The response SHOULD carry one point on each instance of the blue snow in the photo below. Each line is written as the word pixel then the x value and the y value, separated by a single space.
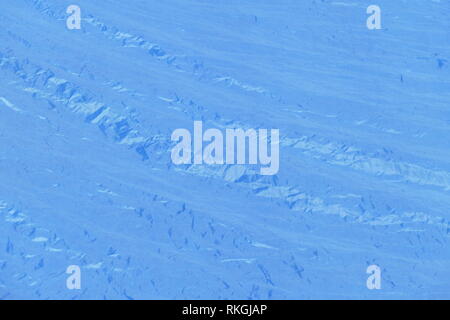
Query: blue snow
pixel 86 176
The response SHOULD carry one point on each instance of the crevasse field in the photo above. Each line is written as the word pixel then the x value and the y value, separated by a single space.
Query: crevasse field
pixel 86 118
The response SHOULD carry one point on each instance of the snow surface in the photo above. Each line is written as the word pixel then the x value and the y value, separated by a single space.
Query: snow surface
pixel 86 176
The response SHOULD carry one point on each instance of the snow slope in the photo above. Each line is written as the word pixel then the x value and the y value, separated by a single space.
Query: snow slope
pixel 86 176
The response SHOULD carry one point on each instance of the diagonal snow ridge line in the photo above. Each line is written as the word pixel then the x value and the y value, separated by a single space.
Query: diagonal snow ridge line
pixel 339 154
pixel 43 244
pixel 61 86
pixel 246 176
pixel 236 174
pixel 343 155
pixel 121 126
pixel 179 62
pixel 9 104
pixel 45 84
pixel 297 200
pixel 23 225
pixel 62 91
pixel 204 228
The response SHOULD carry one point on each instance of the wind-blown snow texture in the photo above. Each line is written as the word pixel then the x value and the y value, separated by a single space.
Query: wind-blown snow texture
pixel 86 177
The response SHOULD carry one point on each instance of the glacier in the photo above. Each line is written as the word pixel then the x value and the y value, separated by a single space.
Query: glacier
pixel 86 176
